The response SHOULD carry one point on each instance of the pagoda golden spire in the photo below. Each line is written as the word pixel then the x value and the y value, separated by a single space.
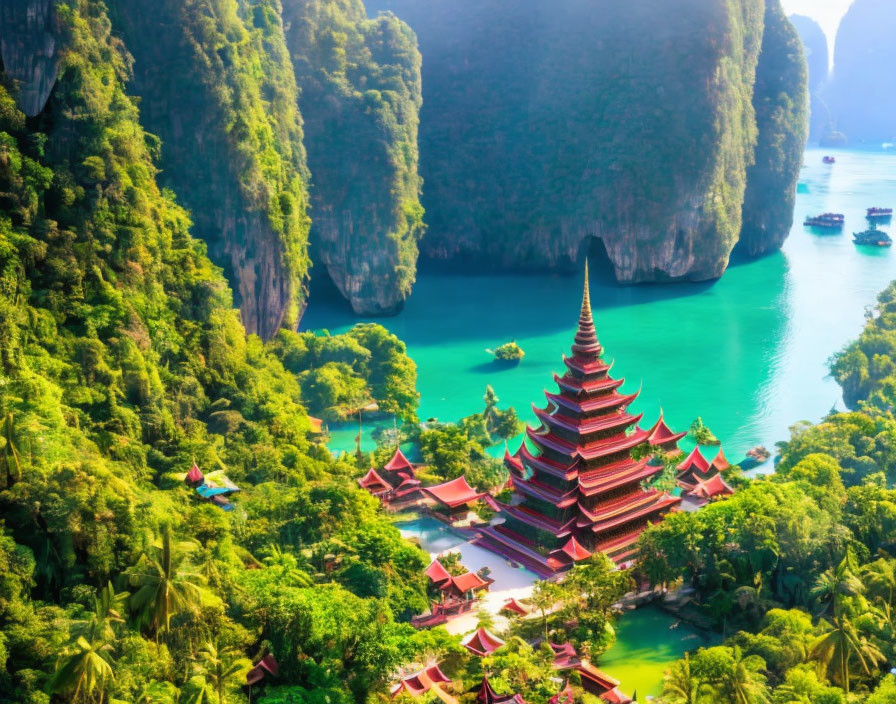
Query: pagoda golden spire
pixel 586 342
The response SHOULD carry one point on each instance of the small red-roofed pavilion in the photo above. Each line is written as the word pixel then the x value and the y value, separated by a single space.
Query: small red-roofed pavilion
pixel 515 607
pixel 399 462
pixel 482 643
pixel 453 497
pixel 374 483
pixel 712 488
pixel 662 436
pixel 194 476
pixel 720 463
pixel 437 573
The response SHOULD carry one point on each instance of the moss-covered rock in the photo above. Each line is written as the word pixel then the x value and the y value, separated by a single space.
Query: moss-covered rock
pixel 216 85
pixel 780 100
pixel 545 124
pixel 360 97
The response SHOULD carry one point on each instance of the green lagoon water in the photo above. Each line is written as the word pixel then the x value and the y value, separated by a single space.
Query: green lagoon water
pixel 747 353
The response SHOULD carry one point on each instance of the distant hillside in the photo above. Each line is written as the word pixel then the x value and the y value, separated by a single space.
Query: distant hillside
pixel 815 45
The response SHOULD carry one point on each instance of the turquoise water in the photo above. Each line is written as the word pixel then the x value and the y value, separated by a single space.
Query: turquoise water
pixel 648 641
pixel 748 353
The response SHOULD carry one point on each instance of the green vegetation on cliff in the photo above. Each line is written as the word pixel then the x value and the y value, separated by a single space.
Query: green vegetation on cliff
pixel 123 359
pixel 217 87
pixel 545 124
pixel 360 98
pixel 780 99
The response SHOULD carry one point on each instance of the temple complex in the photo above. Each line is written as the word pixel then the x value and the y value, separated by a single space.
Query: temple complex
pixel 396 484
pixel 701 479
pixel 577 482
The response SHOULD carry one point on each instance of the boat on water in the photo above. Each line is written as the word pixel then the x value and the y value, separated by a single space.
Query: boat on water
pixel 830 220
pixel 829 160
pixel 879 213
pixel 872 237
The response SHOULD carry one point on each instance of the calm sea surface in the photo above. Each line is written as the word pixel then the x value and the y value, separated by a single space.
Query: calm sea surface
pixel 747 353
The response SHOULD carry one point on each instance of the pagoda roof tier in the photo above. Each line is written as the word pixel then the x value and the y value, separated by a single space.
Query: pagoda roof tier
pixel 512 546
pixel 586 426
pixel 694 460
pixel 536 520
pixel 453 493
pixel 513 460
pixel 574 550
pixel 534 488
pixel 619 542
pixel 610 401
pixel 593 484
pixel 661 434
pixel 590 451
pixel 586 367
pixel 544 464
pixel 614 507
pixel 663 503
pixel 588 386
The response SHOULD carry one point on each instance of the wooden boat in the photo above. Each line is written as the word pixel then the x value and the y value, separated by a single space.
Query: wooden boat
pixel 873 238
pixel 829 160
pixel 829 220
pixel 879 213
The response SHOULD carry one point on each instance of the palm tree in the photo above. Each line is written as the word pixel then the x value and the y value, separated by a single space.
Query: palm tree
pixel 164 585
pixel 682 686
pixel 285 565
pixel 103 621
pixel 746 684
pixel 216 667
pixel 84 670
pixel 834 584
pixel 881 575
pixel 840 646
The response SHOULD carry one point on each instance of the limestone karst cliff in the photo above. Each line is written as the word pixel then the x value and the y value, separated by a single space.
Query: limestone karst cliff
pixel 360 95
pixel 862 94
pixel 217 87
pixel 28 51
pixel 546 124
pixel 815 47
pixel 780 99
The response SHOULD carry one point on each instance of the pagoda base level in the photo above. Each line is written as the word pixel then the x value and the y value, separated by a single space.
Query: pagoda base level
pixel 521 556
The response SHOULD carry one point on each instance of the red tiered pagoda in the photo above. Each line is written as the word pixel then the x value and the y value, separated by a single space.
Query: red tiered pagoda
pixel 577 484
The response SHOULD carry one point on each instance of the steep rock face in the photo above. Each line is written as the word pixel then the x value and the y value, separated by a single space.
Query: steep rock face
pixel 360 99
pixel 28 50
pixel 545 124
pixel 815 47
pixel 217 87
pixel 862 94
pixel 780 100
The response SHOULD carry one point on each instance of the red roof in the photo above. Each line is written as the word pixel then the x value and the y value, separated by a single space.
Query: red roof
pixel 421 682
pixel 317 425
pixel 614 696
pixel 398 461
pixel 454 493
pixel 194 476
pixel 437 573
pixel 514 607
pixel 373 482
pixel 469 582
pixel 714 486
pixel 564 696
pixel 487 695
pixel 565 656
pixel 721 462
pixel 575 550
pixel 662 434
pixel 482 643
pixel 695 460
pixel 266 666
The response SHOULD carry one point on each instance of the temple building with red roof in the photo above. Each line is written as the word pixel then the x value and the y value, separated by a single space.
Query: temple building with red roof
pixel 396 484
pixel 419 683
pixel 662 437
pixel 577 484
pixel 452 499
pixel 485 694
pixel 482 643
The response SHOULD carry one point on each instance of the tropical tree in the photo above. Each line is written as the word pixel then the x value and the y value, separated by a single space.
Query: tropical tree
pixel 836 583
pixel 682 686
pixel 841 647
pixel 164 585
pixel 745 683
pixel 9 453
pixel 105 618
pixel 216 668
pixel 84 671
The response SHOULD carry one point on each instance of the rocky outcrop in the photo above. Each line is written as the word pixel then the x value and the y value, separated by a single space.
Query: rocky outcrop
pixel 360 99
pixel 862 94
pixel 217 86
pixel 546 124
pixel 815 47
pixel 780 99
pixel 28 50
